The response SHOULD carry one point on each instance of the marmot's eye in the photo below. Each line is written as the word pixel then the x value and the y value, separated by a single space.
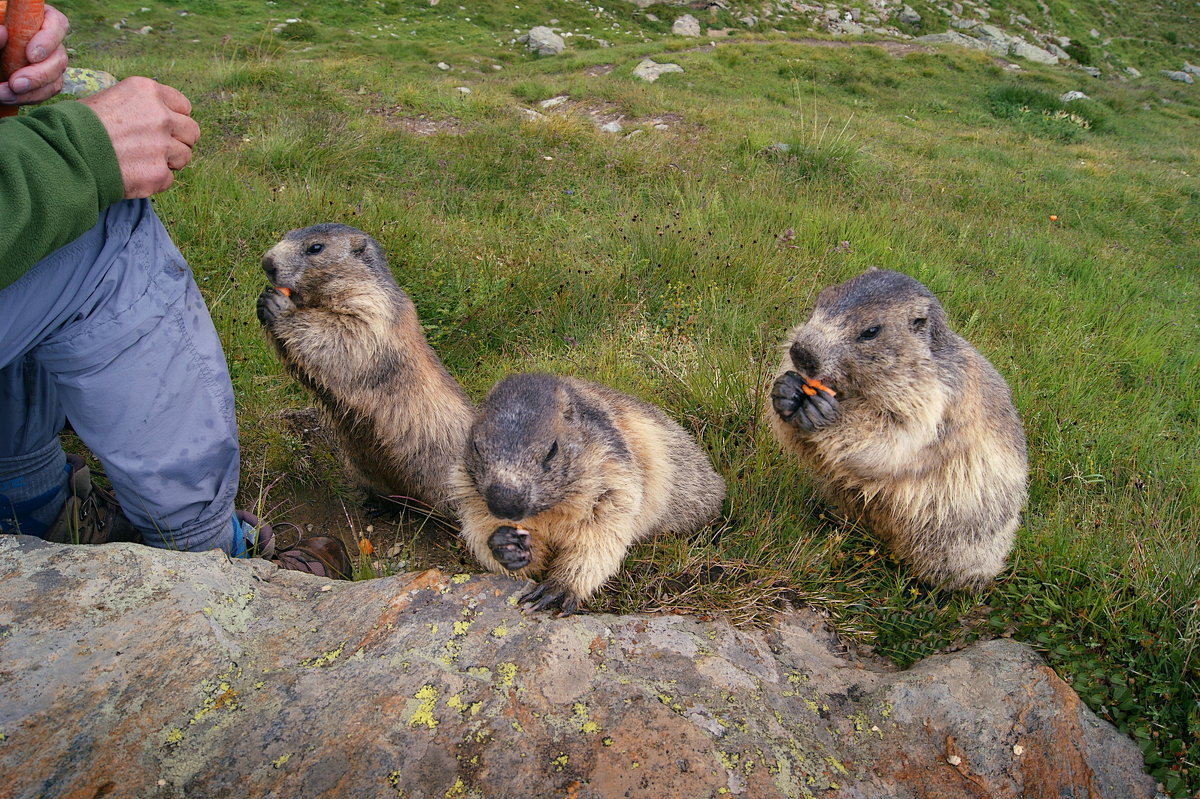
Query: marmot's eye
pixel 869 333
pixel 313 249
pixel 550 455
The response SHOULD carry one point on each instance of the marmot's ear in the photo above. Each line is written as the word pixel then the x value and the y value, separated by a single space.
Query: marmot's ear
pixel 358 245
pixel 936 327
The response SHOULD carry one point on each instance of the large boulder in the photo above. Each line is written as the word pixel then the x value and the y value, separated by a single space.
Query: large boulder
pixel 133 672
pixel 650 70
pixel 544 41
pixel 686 25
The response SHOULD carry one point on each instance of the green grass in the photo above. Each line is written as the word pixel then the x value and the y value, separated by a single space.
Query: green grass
pixel 670 264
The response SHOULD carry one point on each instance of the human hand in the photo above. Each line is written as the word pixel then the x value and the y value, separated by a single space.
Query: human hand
pixel 42 79
pixel 151 130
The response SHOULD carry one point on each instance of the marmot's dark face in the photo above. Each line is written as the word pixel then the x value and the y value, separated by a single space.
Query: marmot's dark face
pixel 523 450
pixel 866 334
pixel 313 261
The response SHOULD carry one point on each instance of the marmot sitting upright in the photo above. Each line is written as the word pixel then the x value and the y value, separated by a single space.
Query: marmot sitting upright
pixel 561 476
pixel 345 330
pixel 906 426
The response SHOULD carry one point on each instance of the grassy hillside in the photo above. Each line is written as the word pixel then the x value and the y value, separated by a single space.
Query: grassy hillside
pixel 670 259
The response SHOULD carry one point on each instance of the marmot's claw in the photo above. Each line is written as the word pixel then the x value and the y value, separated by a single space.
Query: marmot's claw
pixel 272 303
pixel 551 594
pixel 798 407
pixel 510 546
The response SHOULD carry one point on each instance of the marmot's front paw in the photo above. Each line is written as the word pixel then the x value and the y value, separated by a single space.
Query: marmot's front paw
pixel 552 594
pixel 272 303
pixel 807 409
pixel 510 546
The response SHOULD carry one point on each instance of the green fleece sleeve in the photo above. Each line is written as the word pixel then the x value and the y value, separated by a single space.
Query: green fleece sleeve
pixel 58 171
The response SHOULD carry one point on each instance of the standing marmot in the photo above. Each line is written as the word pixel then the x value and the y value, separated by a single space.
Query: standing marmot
pixel 561 476
pixel 344 329
pixel 907 427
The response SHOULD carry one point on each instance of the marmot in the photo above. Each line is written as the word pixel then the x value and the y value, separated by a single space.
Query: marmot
pixel 347 332
pixel 561 476
pixel 906 426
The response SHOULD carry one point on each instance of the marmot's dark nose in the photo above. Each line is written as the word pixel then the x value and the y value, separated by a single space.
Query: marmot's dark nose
pixel 804 360
pixel 506 502
pixel 268 265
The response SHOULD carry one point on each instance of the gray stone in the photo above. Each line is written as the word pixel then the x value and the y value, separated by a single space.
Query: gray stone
pixel 1191 69
pixel 1023 49
pixel 651 71
pixel 686 25
pixel 908 16
pixel 1180 76
pixel 1060 53
pixel 1132 72
pixel 138 672
pixel 995 40
pixel 544 41
pixel 612 127
pixel 1091 71
pixel 952 37
pixel 1072 96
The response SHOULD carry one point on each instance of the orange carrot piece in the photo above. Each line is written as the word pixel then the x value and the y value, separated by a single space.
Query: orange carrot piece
pixel 812 381
pixel 284 290
pixel 808 390
pixel 23 19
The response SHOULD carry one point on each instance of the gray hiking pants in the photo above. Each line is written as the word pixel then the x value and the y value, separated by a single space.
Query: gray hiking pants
pixel 112 333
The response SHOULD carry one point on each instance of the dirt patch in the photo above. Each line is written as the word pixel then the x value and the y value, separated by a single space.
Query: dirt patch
pixel 418 124
pixel 895 48
pixel 313 500
pixel 600 112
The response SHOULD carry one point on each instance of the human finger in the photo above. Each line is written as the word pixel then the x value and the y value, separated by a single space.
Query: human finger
pixel 49 37
pixel 174 99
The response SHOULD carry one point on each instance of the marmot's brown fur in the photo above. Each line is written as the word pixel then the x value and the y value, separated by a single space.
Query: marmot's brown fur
pixel 345 330
pixel 921 442
pixel 562 475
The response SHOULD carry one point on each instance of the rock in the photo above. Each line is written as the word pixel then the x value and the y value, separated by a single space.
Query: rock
pixel 686 25
pixel 749 20
pixel 1023 49
pixel 554 102
pixel 612 127
pixel 909 17
pixel 442 65
pixel 651 71
pixel 1133 73
pixel 544 41
pixel 1191 69
pixel 1180 76
pixel 138 672
pixel 1072 96
pixel 463 89
pixel 1059 53
pixel 952 37
pixel 1092 71
pixel 79 82
pixel 995 40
